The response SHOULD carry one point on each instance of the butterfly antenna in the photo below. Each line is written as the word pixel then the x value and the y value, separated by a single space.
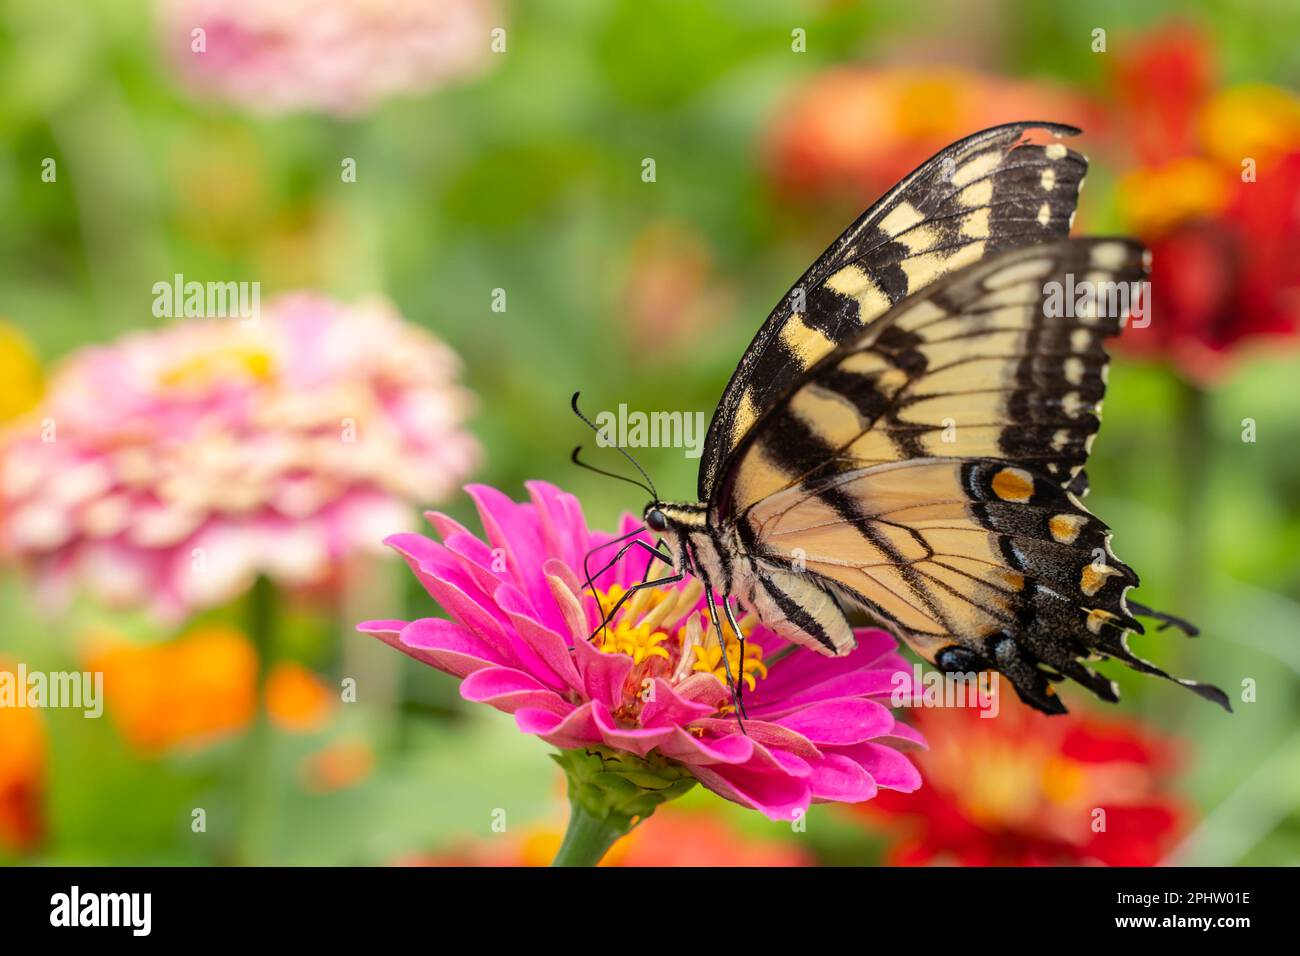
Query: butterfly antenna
pixel 608 474
pixel 648 486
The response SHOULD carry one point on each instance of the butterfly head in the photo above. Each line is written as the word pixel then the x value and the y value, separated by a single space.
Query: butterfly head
pixel 674 518
pixel 654 517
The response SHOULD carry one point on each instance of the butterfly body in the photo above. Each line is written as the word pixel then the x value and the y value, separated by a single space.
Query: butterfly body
pixel 796 606
pixel 907 432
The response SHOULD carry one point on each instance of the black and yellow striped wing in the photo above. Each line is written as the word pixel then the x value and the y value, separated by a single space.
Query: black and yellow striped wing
pixel 1002 188
pixel 922 469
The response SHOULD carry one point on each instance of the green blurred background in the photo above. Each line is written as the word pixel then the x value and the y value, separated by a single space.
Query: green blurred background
pixel 528 178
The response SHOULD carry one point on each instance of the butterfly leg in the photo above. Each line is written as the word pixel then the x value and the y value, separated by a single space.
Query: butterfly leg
pixel 636 543
pixel 657 554
pixel 671 579
pixel 645 581
pixel 726 663
pixel 740 639
pixel 1141 610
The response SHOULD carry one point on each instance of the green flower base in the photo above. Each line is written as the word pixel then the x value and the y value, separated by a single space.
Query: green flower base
pixel 610 792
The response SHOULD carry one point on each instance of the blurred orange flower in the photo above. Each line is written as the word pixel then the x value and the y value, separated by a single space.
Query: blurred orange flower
pixel 859 130
pixel 340 764
pixel 22 776
pixel 199 687
pixel 296 698
pixel 1024 788
pixel 672 837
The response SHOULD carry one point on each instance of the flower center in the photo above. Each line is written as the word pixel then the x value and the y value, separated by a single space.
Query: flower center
pixel 200 371
pixel 669 637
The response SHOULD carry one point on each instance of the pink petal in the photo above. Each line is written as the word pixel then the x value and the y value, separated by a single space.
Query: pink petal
pixel 433 562
pixel 841 779
pixel 773 736
pixel 508 689
pixel 477 615
pixel 475 559
pixel 382 629
pixel 903 737
pixel 444 525
pixel 704 689
pixel 844 721
pixel 546 652
pixel 603 675
pixel 774 794
pixel 563 524
pixel 637 740
pixel 861 683
pixel 567 601
pixel 666 707
pixel 806 668
pixel 514 528
pixel 573 730
pixel 702 751
pixel 889 768
pixel 438 643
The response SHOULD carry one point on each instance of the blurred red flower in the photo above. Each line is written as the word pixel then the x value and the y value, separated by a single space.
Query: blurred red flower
pixel 1026 789
pixel 23 760
pixel 1216 195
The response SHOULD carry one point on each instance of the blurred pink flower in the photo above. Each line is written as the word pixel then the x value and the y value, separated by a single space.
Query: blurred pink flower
pixel 330 56
pixel 521 638
pixel 174 465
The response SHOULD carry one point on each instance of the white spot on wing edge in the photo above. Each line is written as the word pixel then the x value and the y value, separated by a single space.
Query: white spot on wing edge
pixel 1109 255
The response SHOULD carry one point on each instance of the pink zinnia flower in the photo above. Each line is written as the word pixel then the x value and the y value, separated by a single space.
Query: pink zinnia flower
pixel 652 686
pixel 173 466
pixel 330 56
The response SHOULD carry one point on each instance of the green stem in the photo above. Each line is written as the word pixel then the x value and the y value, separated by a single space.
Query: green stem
pixel 610 792
pixel 256 816
pixel 589 836
pixel 1193 430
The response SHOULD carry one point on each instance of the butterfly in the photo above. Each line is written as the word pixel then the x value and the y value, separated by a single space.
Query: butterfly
pixel 907 432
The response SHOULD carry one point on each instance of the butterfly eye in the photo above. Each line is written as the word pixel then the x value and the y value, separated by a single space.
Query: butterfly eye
pixel 656 520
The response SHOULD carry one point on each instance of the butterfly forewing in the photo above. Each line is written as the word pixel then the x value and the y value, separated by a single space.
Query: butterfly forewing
pixel 995 190
pixel 979 364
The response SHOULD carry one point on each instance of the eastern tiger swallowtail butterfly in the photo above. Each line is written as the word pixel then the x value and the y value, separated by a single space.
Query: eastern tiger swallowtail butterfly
pixel 906 434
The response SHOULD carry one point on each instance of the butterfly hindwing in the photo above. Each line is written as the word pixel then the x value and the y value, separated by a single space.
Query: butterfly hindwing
pixel 995 190
pixel 977 564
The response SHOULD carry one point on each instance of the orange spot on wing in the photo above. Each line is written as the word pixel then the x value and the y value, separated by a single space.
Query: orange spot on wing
pixel 1012 484
pixel 1065 528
